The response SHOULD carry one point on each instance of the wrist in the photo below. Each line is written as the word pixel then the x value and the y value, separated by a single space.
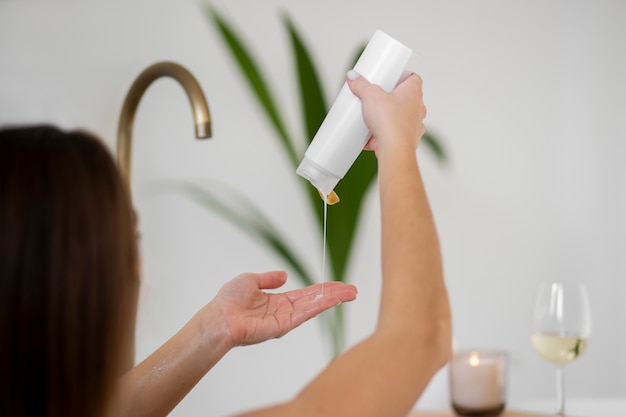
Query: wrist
pixel 212 328
pixel 397 154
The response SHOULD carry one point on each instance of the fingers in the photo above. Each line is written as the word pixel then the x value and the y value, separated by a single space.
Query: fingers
pixel 270 280
pixel 357 83
pixel 335 290
pixel 413 78
pixel 313 300
pixel 371 144
pixel 328 289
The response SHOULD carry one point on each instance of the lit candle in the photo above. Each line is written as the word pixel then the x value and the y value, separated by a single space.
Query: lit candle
pixel 477 383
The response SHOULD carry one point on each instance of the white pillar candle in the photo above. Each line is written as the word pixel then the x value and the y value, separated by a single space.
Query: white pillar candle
pixel 477 380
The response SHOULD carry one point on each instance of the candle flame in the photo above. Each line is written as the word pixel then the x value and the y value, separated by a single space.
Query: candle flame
pixel 473 359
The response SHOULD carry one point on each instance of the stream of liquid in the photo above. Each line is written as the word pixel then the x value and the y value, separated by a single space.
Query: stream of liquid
pixel 321 294
pixel 324 245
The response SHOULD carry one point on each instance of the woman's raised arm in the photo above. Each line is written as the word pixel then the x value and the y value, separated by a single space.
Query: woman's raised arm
pixel 386 373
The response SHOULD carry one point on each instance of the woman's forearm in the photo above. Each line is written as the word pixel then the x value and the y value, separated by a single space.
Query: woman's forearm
pixel 412 339
pixel 411 258
pixel 156 385
pixel 242 313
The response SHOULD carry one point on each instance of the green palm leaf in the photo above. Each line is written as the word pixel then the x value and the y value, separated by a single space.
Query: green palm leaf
pixel 313 104
pixel 255 79
pixel 435 146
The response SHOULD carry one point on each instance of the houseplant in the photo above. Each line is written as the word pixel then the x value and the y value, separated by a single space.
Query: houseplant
pixel 243 213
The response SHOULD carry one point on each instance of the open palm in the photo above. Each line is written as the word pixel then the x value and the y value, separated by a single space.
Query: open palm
pixel 253 315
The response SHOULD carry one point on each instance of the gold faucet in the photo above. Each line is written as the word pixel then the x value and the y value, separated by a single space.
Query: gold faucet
pixel 201 114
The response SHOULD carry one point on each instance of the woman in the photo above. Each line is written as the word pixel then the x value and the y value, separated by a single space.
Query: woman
pixel 69 280
pixel 68 273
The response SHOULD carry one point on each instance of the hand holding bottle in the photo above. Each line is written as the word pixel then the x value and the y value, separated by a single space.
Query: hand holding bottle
pixel 395 117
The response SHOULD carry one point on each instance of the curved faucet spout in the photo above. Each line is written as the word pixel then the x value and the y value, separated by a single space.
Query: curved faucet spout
pixel 201 116
pixel 200 107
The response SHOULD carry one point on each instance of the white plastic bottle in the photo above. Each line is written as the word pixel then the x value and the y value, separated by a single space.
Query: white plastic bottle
pixel 343 133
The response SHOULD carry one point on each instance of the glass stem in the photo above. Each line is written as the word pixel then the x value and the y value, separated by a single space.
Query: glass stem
pixel 560 392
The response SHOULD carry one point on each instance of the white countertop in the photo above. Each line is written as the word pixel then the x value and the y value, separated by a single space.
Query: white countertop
pixel 578 407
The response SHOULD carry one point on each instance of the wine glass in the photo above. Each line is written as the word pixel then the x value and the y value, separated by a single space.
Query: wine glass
pixel 561 327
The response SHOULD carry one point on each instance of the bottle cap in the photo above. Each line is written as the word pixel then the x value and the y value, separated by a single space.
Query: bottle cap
pixel 321 179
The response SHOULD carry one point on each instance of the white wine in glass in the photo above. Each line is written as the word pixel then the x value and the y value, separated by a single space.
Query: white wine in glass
pixel 561 327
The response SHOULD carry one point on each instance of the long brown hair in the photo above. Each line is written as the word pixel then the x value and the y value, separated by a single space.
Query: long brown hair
pixel 68 273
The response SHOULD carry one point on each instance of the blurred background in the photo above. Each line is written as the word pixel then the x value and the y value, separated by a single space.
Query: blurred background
pixel 528 97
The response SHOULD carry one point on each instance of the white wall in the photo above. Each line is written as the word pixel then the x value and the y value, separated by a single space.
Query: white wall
pixel 530 98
